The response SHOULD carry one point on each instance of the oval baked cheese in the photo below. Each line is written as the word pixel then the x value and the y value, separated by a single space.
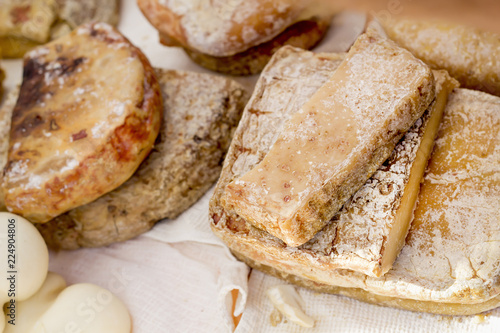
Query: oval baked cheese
pixel 88 113
pixel 225 28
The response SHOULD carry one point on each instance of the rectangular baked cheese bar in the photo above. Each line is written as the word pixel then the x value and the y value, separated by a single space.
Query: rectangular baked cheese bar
pixel 335 142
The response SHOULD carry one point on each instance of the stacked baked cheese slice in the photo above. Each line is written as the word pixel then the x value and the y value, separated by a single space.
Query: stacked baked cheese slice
pixel 446 248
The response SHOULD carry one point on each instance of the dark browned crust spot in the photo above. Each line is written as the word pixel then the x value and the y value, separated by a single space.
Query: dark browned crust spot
pixel 304 34
pixel 34 89
pixel 80 135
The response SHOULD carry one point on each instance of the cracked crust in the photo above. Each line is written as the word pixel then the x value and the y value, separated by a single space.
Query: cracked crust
pixel 74 136
pixel 201 112
pixel 422 278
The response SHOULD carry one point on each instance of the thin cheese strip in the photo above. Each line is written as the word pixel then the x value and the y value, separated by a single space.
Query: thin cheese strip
pixel 335 142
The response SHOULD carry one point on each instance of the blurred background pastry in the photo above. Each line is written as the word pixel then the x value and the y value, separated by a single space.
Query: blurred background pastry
pixel 237 37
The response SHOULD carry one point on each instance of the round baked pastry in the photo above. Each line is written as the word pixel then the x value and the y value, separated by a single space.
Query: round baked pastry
pixel 88 113
pixel 237 37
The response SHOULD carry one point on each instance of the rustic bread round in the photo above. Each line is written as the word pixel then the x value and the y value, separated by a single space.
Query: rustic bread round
pixel 88 113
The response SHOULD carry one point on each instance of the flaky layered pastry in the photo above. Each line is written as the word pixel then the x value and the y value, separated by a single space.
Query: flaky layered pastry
pixel 201 112
pixel 88 113
pixel 335 142
pixel 450 261
pixel 470 55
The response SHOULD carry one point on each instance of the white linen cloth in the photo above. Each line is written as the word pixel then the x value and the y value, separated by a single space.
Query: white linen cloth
pixel 178 277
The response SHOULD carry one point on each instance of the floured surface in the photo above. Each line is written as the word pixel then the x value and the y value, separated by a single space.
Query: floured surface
pixel 224 28
pixel 202 307
pixel 303 34
pixel 200 114
pixel 74 135
pixel 423 277
pixel 470 55
pixel 335 142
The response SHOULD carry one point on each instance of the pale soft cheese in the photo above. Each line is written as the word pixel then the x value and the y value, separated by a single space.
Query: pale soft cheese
pixel 335 142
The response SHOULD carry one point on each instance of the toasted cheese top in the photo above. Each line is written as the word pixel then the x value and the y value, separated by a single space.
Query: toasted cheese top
pixel 85 107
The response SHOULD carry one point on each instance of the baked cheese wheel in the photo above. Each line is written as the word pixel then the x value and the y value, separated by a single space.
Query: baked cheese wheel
pixel 88 113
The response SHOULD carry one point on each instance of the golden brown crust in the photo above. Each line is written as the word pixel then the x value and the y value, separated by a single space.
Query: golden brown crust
pixel 74 136
pixel 303 34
